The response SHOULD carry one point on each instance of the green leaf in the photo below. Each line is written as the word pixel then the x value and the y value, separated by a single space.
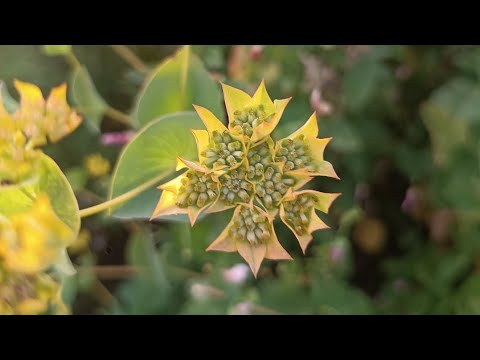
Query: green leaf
pixel 334 297
pixel 467 298
pixel 148 292
pixel 362 80
pixel 53 182
pixel 287 297
pixel 446 132
pixel 69 289
pixel 175 85
pixel 54 50
pixel 152 154
pixel 64 265
pixel 459 98
pixel 8 102
pixel 141 253
pixel 77 177
pixel 87 99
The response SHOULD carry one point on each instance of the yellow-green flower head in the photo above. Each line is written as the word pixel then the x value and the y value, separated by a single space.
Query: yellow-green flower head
pixel 17 163
pixel 30 294
pixel 96 165
pixel 34 240
pixel 242 167
pixel 36 118
pixel 34 121
pixel 39 118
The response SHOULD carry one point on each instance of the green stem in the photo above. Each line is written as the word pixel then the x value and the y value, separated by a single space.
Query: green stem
pixel 111 112
pixel 72 60
pixel 30 196
pixel 118 116
pixel 122 198
pixel 130 58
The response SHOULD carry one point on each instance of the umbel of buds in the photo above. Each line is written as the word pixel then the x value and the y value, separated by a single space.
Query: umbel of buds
pixel 241 166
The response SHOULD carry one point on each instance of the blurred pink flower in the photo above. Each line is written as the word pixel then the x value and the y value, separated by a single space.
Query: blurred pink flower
pixel 203 292
pixel 322 107
pixel 237 274
pixel 336 254
pixel 117 138
pixel 244 308
pixel 256 52
pixel 412 200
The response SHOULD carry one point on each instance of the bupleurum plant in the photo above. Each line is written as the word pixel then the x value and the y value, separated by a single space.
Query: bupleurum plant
pixel 32 238
pixel 242 167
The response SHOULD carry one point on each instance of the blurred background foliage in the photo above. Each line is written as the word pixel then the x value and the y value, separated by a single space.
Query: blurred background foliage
pixel 405 234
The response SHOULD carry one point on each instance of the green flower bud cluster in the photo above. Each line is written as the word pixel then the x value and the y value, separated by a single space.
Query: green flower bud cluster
pixel 273 187
pixel 247 120
pixel 298 212
pixel 258 158
pixel 223 150
pixel 295 153
pixel 197 189
pixel 235 187
pixel 250 225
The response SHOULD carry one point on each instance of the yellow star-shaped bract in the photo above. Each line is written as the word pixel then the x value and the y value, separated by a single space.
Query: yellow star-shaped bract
pixel 322 202
pixel 253 253
pixel 167 204
pixel 204 138
pixel 316 148
pixel 237 100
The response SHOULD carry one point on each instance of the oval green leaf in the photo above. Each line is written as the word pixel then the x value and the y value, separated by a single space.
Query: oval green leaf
pixel 87 99
pixel 175 85
pixel 151 157
pixel 50 180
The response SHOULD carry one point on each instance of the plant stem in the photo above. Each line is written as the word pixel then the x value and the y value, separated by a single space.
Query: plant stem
pixel 122 198
pixel 115 272
pixel 129 56
pixel 72 60
pixel 30 196
pixel 111 112
pixel 103 294
pixel 118 116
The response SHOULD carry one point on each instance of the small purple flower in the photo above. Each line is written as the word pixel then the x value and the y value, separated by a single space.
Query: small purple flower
pixel 412 200
pixel 117 138
pixel 336 254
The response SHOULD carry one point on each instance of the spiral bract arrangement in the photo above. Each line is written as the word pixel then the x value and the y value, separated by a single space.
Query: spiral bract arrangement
pixel 241 166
